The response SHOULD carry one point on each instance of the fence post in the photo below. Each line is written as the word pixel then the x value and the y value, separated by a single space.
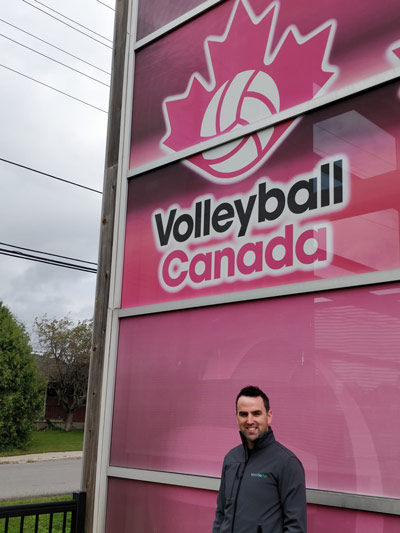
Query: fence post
pixel 78 516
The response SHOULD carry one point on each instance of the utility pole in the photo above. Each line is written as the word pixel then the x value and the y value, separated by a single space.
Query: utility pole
pixel 102 303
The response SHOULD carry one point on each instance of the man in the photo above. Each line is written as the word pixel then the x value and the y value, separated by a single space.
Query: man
pixel 262 483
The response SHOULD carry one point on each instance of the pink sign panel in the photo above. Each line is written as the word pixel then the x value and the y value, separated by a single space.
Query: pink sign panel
pixel 247 60
pixel 135 506
pixel 145 507
pixel 330 363
pixel 325 205
pixel 154 14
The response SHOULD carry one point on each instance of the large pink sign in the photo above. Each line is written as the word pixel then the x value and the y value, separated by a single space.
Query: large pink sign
pixel 323 205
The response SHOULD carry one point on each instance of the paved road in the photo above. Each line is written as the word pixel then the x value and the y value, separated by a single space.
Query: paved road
pixel 41 478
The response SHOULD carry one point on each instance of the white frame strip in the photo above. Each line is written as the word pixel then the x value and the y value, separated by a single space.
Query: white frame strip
pixel 165 478
pixel 344 500
pixel 355 280
pixel 359 502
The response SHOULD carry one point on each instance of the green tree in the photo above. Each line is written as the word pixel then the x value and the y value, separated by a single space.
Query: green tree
pixel 22 389
pixel 65 347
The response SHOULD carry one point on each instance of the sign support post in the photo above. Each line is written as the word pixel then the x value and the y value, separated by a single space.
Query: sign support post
pixel 91 441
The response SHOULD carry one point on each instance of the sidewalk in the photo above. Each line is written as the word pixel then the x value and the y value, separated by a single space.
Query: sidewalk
pixel 34 457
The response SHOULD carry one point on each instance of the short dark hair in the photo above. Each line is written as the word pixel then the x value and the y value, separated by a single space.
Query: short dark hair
pixel 253 392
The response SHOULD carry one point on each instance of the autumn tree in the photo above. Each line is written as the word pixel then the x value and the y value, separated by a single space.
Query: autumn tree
pixel 21 387
pixel 65 352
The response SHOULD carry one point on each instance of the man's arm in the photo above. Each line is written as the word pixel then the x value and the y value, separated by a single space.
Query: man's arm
pixel 219 513
pixel 292 490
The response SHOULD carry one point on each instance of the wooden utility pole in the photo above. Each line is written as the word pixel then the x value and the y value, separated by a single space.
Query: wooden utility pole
pixel 104 263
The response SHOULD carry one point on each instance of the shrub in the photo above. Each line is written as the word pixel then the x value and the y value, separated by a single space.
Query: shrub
pixel 21 388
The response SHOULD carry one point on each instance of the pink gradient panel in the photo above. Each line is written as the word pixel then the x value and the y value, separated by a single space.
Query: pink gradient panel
pixel 154 14
pixel 332 520
pixel 336 45
pixel 135 506
pixel 361 232
pixel 145 507
pixel 329 361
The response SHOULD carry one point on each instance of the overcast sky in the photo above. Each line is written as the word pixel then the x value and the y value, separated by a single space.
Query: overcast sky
pixel 46 130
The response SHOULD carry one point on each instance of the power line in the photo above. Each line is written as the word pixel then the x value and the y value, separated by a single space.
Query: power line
pixel 55 60
pixel 47 253
pixel 66 24
pixel 54 46
pixel 109 7
pixel 54 89
pixel 72 20
pixel 49 175
pixel 28 257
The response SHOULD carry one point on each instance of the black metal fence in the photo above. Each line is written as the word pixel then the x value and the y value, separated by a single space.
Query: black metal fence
pixel 66 516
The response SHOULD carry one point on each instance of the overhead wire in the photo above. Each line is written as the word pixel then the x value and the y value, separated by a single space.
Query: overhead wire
pixel 55 60
pixel 38 259
pixel 54 46
pixel 66 24
pixel 41 259
pixel 16 251
pixel 47 253
pixel 72 20
pixel 49 175
pixel 54 89
pixel 109 7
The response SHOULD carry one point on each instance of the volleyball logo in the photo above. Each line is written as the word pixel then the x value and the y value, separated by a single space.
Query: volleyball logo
pixel 249 97
pixel 249 81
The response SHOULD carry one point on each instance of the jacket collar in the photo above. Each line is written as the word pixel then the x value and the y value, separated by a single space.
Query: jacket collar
pixel 262 442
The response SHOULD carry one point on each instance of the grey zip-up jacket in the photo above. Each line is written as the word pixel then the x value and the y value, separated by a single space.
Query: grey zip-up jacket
pixel 262 491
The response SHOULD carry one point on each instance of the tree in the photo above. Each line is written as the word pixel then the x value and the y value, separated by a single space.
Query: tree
pixel 65 348
pixel 22 389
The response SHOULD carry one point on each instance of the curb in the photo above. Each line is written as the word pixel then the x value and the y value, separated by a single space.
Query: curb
pixel 33 458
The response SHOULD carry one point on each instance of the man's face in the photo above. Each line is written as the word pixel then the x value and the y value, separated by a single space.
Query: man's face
pixel 252 418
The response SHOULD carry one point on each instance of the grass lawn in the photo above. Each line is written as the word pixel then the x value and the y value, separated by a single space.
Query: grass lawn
pixel 50 440
pixel 58 498
pixel 29 521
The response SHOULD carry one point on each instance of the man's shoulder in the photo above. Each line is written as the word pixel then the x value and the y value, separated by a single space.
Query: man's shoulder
pixel 283 449
pixel 285 454
pixel 235 454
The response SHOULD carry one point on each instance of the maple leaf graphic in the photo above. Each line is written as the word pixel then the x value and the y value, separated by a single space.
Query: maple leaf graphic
pixel 248 82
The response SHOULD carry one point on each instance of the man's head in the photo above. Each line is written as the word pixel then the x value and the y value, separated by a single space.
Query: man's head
pixel 253 413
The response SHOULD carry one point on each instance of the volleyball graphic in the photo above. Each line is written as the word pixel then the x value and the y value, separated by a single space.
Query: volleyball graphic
pixel 249 80
pixel 249 97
